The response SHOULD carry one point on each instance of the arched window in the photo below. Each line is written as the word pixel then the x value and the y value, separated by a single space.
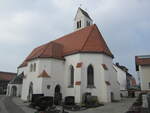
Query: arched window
pixel 71 84
pixel 90 76
pixel 79 24
pixel 34 67
pixel 30 91
pixel 31 67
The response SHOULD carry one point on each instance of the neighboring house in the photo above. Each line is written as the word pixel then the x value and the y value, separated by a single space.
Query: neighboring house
pixel 143 70
pixel 131 85
pixel 72 65
pixel 122 78
pixel 131 82
pixel 5 78
pixel 126 80
pixel 14 87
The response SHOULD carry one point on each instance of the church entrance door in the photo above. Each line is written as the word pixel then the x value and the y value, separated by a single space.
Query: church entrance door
pixel 112 96
pixel 57 95
pixel 30 92
pixel 14 91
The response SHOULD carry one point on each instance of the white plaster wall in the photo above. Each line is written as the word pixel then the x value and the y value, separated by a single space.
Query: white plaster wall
pixel 19 89
pixel 54 68
pixel 115 87
pixel 37 86
pixel 111 75
pixel 121 76
pixel 80 74
pixel 8 90
pixel 100 76
pixel 100 89
pixel 144 72
pixel 45 83
pixel 59 74
pixel 31 77
pixel 75 91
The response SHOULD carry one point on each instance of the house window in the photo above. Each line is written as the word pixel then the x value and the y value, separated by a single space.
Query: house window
pixel 90 76
pixel 34 67
pixel 31 67
pixel 79 24
pixel 149 85
pixel 87 23
pixel 71 84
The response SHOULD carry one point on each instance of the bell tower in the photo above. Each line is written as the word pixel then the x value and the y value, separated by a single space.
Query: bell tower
pixel 82 19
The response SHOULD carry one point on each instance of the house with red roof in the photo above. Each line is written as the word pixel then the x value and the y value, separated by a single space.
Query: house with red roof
pixel 143 70
pixel 72 65
pixel 5 78
pixel 126 80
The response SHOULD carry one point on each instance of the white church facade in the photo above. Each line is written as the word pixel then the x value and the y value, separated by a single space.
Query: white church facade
pixel 74 64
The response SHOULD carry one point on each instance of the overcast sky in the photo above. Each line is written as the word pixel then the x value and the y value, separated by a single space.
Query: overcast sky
pixel 26 24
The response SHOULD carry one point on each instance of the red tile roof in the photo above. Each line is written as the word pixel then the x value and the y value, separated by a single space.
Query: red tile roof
pixel 7 76
pixel 88 39
pixel 142 60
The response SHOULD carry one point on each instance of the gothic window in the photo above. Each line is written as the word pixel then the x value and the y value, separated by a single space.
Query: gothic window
pixel 90 76
pixel 31 67
pixel 79 24
pixel 34 67
pixel 71 84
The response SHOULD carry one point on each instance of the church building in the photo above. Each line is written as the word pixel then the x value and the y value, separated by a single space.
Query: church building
pixel 77 63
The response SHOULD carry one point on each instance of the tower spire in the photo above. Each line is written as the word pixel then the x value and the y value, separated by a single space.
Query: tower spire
pixel 82 19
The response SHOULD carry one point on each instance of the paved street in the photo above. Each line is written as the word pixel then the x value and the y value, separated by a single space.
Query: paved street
pixel 13 105
pixel 16 105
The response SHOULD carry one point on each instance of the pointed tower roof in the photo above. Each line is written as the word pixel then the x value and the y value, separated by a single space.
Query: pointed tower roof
pixel 86 40
pixel 84 13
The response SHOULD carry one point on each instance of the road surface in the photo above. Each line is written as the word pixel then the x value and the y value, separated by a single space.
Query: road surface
pixel 8 106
